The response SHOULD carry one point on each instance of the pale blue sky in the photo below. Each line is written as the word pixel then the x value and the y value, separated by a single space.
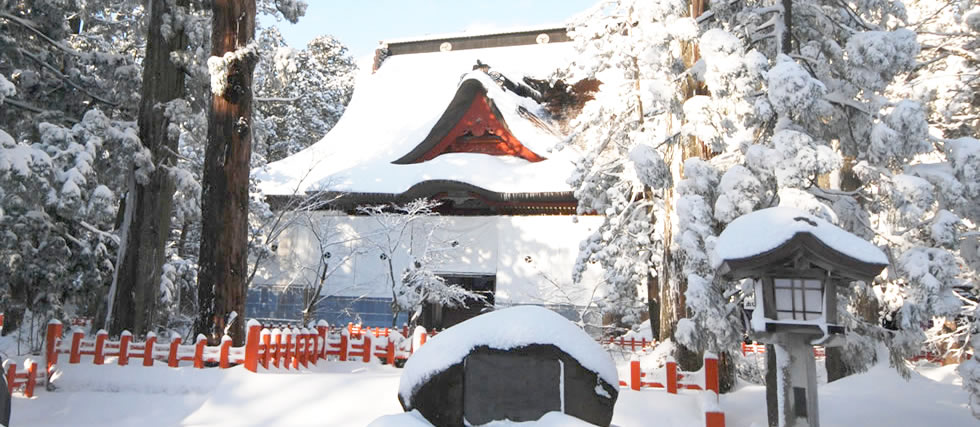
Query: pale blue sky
pixel 360 24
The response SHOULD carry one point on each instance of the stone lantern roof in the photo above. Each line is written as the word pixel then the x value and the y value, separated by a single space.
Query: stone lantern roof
pixel 782 237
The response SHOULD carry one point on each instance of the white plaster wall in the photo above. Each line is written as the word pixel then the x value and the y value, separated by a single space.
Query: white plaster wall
pixel 531 256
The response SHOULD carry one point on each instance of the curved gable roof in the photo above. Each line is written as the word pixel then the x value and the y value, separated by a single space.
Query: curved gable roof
pixel 474 114
pixel 394 110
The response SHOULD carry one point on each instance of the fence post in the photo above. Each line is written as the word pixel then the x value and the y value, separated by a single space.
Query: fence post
pixel 294 333
pixel 314 346
pixel 151 341
pixel 31 377
pixel 51 338
pixel 287 358
pixel 277 334
pixel 223 352
pixel 11 377
pixel 267 343
pixel 124 340
pixel 199 343
pixel 636 376
pixel 172 360
pixel 390 352
pixel 252 345
pixel 343 347
pixel 368 348
pixel 100 338
pixel 714 419
pixel 671 376
pixel 711 372
pixel 301 348
pixel 321 330
pixel 76 344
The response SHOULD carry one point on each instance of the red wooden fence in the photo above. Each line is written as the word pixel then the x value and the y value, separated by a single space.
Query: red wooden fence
pixel 633 343
pixel 671 379
pixel 287 348
pixel 28 378
pixel 818 351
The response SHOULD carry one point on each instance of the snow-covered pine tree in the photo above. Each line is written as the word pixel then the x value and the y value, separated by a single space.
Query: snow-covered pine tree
pixel 300 94
pixel 63 59
pixel 829 107
pixel 945 77
pixel 57 200
pixel 631 47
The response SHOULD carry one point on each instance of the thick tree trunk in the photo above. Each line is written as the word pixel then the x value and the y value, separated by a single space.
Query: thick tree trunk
pixel 787 37
pixel 137 279
pixel 224 229
pixel 866 307
pixel 673 300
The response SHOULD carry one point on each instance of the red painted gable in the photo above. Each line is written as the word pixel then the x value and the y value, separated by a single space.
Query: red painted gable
pixel 480 131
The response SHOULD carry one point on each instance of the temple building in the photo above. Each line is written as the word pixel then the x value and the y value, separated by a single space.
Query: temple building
pixel 450 118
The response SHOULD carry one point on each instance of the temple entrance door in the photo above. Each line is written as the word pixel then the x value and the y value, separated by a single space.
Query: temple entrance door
pixel 436 316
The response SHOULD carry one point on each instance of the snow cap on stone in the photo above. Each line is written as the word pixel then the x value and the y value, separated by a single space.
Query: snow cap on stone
pixel 503 330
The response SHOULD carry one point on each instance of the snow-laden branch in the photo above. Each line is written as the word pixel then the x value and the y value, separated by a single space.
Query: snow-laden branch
pixel 114 238
pixel 65 78
pixel 277 99
pixel 25 106
pixel 30 26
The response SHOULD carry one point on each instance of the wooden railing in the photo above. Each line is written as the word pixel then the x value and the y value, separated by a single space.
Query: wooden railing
pixel 632 343
pixel 672 379
pixel 286 348
pixel 27 379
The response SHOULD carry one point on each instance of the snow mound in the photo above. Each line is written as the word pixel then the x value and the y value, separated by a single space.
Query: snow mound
pixel 415 419
pixel 503 330
pixel 764 230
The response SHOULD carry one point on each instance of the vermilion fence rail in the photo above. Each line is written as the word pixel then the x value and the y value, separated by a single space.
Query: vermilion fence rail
pixel 672 379
pixel 633 343
pixel 27 379
pixel 818 351
pixel 286 348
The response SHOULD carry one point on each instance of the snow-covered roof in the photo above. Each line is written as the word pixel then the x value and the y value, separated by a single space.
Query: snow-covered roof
pixel 767 230
pixel 393 110
pixel 505 329
pixel 466 34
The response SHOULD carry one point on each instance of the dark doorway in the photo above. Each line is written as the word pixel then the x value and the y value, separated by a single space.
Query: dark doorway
pixel 435 316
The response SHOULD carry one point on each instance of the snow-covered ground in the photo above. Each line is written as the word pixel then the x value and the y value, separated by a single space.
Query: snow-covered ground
pixel 355 394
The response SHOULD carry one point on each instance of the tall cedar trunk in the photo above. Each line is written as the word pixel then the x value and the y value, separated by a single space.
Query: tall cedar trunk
pixel 673 302
pixel 866 307
pixel 652 282
pixel 224 204
pixel 772 398
pixel 138 274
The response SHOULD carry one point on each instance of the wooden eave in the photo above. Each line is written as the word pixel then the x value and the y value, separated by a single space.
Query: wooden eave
pixel 485 202
pixel 802 244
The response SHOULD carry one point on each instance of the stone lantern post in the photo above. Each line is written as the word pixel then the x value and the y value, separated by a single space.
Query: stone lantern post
pixel 796 262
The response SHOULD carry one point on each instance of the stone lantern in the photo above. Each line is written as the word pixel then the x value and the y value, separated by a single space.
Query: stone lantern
pixel 796 262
